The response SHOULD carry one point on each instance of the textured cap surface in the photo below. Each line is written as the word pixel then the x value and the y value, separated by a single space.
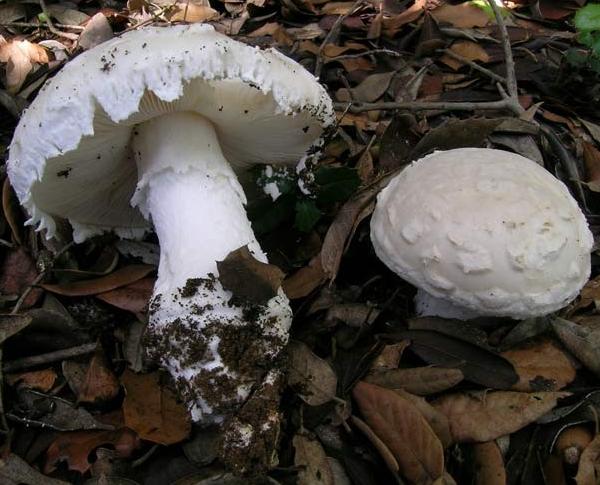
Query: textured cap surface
pixel 70 156
pixel 485 229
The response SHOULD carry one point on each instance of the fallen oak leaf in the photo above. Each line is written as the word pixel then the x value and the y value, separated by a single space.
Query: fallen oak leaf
pixel 75 447
pixel 15 471
pixel 98 382
pixel 304 281
pixel 485 416
pixel 404 430
pixel 121 277
pixel 582 342
pixel 20 57
pixel 379 445
pixel 152 411
pixel 249 279
pixel 18 272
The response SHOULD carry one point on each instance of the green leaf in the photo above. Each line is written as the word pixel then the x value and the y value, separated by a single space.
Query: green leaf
pixel 588 18
pixel 267 215
pixel 307 215
pixel 335 184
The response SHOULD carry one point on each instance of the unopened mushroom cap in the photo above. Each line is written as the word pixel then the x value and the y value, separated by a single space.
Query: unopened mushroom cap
pixel 70 155
pixel 485 229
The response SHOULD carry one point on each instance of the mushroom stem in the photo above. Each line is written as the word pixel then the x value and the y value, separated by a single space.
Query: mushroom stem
pixel 217 351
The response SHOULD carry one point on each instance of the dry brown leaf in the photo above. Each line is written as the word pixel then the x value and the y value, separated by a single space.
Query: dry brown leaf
pixel 591 157
pixel 437 420
pixel 152 411
pixel 485 416
pixel 17 272
pixel 404 430
pixel 368 91
pixel 12 210
pixel 133 297
pixel 247 278
pixel 571 442
pixel 337 8
pixel 121 277
pixel 419 380
pixel 581 341
pixel 489 464
pixel 96 31
pixel 462 16
pixel 20 57
pixel 554 471
pixel 313 379
pixel 75 447
pixel 11 12
pixel 99 382
pixel 469 50
pixel 390 356
pixel 334 50
pixel 393 24
pixel 541 366
pixel 312 462
pixel 384 452
pixel 192 12
pixel 304 281
pixel 40 380
pixel 588 472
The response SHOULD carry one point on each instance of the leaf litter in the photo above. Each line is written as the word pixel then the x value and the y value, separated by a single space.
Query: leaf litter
pixel 406 398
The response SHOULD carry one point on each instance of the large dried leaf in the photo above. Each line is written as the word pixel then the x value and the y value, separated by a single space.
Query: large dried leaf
pixel 478 364
pixel 92 382
pixel 121 277
pixel 20 57
pixel 489 464
pixel 368 91
pixel 312 377
pixel 133 297
pixel 419 380
pixel 485 416
pixel 582 342
pixel 17 272
pixel 467 49
pixel 40 380
pixel 589 464
pixel 247 278
pixel 305 280
pixel 463 16
pixel 12 324
pixel 404 430
pixel 152 411
pixel 541 366
pixel 75 447
pixel 312 461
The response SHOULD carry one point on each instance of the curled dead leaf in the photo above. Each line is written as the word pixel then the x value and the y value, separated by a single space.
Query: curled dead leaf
pixel 20 57
pixel 313 379
pixel 588 472
pixel 312 461
pixel 419 380
pixel 404 430
pixel 489 464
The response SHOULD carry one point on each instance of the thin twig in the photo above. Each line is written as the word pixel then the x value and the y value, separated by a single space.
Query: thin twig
pixel 474 65
pixel 39 278
pixel 51 26
pixel 332 35
pixel 509 62
pixel 388 52
pixel 48 358
pixel 503 104
pixel 35 25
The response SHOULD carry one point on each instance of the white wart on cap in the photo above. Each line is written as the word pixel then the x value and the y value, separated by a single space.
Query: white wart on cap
pixel 487 230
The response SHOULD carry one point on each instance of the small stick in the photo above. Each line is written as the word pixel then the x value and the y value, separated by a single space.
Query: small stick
pixel 366 53
pixel 503 104
pixel 51 26
pixel 40 25
pixel 48 358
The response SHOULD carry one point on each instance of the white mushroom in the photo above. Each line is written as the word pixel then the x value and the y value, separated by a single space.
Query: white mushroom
pixel 483 232
pixel 161 117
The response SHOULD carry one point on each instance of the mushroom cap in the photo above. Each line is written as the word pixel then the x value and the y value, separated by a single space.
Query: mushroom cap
pixel 70 155
pixel 485 229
